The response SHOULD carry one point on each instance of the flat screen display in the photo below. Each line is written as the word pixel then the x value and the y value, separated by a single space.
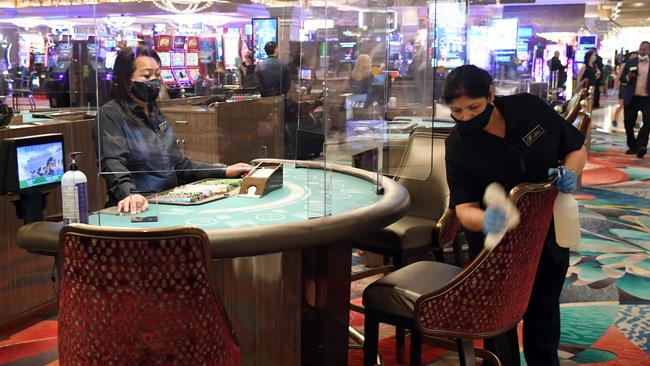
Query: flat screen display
pixel 39 59
pixel 165 59
pixel 181 76
pixel 178 59
pixel 109 61
pixel 192 59
pixel 39 164
pixel 587 41
pixel 305 74
pixel 166 76
pixel 264 30
pixel 230 50
pixel 502 34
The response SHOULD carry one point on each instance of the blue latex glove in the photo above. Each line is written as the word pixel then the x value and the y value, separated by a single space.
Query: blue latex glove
pixel 567 181
pixel 494 220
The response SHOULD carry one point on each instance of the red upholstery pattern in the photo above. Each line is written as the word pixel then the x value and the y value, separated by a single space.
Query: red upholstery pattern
pixel 140 302
pixel 494 295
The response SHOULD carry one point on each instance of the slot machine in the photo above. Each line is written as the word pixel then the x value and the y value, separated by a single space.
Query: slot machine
pixel 58 81
pixel 192 59
pixel 178 62
pixel 163 47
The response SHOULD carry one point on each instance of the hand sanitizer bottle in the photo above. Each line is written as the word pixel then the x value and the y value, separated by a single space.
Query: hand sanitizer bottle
pixel 566 219
pixel 74 194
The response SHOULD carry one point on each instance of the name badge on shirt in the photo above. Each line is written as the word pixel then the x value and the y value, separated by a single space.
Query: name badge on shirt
pixel 163 126
pixel 533 135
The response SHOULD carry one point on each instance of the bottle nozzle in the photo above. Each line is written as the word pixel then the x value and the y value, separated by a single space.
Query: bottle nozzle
pixel 73 158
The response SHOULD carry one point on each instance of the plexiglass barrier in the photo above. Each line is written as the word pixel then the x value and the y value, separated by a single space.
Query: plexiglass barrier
pixel 342 83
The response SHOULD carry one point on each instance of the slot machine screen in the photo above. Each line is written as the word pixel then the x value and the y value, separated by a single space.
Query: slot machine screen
pixel 179 43
pixel 109 61
pixel 230 50
pixel 39 59
pixel 194 73
pixel 264 30
pixel 192 59
pixel 166 76
pixel 165 59
pixel 181 76
pixel 178 59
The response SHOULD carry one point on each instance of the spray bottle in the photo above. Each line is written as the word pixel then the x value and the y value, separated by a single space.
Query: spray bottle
pixel 74 194
pixel 566 218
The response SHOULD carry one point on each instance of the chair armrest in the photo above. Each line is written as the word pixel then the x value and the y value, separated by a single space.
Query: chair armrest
pixel 447 229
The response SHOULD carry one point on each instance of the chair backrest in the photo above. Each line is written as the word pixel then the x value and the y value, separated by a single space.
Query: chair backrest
pixel 422 172
pixel 492 293
pixel 574 105
pixel 140 297
pixel 583 123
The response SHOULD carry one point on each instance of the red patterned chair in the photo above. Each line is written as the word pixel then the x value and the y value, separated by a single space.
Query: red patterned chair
pixel 483 300
pixel 140 297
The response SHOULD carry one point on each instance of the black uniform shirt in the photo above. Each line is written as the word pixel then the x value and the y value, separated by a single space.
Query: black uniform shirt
pixel 142 154
pixel 537 138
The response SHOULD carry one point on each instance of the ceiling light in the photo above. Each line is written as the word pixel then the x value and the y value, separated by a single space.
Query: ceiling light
pixel 638 5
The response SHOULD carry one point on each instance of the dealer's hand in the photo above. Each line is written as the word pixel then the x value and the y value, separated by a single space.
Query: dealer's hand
pixel 238 170
pixel 133 204
pixel 494 220
pixel 567 182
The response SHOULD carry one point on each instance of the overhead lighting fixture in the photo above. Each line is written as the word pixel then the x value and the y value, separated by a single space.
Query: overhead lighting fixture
pixel 119 22
pixel 184 6
pixel 27 23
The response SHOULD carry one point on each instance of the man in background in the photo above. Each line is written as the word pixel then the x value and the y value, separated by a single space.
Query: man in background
pixel 556 65
pixel 272 75
pixel 636 98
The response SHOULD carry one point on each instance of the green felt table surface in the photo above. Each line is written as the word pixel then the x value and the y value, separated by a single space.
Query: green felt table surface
pixel 302 197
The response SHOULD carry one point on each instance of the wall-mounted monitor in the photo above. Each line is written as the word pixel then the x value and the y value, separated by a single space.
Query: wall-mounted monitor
pixel 32 163
pixel 588 41
pixel 165 59
pixel 264 30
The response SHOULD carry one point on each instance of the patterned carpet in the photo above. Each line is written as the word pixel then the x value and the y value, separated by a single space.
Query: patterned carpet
pixel 606 297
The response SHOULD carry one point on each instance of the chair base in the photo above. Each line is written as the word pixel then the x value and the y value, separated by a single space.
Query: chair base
pixel 464 347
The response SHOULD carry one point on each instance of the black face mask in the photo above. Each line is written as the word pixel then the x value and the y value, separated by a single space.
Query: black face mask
pixel 476 124
pixel 146 91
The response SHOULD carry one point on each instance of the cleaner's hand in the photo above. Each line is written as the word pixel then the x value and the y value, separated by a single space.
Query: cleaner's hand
pixel 133 204
pixel 567 182
pixel 494 220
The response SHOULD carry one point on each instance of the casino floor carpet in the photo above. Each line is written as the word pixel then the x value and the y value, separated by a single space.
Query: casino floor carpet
pixel 606 298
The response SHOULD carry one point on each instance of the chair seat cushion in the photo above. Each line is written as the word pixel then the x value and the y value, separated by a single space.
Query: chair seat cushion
pixel 407 232
pixel 397 292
